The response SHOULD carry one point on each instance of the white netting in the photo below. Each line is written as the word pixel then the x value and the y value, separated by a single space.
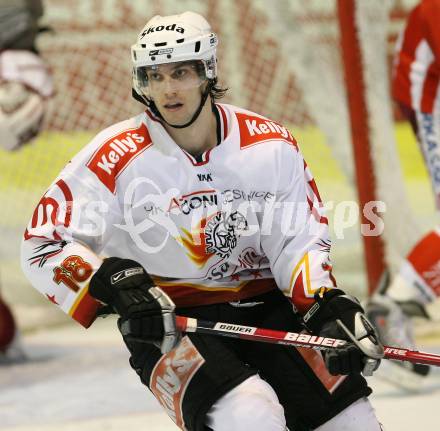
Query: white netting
pixel 389 179
pixel 281 59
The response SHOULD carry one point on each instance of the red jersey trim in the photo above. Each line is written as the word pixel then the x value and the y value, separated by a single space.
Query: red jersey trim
pixel 224 119
pixel 84 309
pixel 206 154
pixel 152 116
pixel 191 295
pixel 194 162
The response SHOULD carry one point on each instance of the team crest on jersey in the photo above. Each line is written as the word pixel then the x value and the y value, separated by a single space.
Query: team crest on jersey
pixel 114 155
pixel 195 243
pixel 216 235
pixel 255 130
pixel 222 232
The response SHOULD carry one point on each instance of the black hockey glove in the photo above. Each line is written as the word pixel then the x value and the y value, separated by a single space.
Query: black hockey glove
pixel 147 313
pixel 338 315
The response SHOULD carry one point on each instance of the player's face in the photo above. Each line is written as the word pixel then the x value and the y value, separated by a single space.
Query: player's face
pixel 176 90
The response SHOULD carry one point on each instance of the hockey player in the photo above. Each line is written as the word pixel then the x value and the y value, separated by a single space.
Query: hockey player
pixel 25 84
pixel 205 210
pixel 415 88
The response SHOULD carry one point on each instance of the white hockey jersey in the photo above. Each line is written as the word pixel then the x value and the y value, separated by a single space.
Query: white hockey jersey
pixel 243 219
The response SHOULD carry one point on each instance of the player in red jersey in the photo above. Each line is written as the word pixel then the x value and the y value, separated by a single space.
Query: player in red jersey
pixel 415 88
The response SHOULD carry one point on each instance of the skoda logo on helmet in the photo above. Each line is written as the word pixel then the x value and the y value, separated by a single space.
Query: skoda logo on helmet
pixel 171 27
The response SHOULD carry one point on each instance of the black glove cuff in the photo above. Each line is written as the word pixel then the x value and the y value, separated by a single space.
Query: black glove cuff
pixel 117 274
pixel 97 286
pixel 330 305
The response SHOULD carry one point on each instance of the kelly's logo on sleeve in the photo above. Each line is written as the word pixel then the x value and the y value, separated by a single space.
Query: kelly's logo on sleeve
pixel 116 153
pixel 255 130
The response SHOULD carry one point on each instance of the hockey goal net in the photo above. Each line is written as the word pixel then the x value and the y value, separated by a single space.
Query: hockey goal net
pixel 282 59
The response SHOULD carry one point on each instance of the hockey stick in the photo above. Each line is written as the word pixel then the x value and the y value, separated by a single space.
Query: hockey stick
pixel 188 324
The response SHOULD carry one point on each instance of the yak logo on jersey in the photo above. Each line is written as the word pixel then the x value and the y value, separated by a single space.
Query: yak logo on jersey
pixel 116 153
pixel 171 376
pixel 171 27
pixel 255 130
pixel 204 177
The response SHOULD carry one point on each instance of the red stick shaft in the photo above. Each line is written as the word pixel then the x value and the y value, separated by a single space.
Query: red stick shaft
pixel 412 356
pixel 187 324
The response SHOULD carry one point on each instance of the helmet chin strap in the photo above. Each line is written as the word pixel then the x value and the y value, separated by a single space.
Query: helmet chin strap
pixel 205 95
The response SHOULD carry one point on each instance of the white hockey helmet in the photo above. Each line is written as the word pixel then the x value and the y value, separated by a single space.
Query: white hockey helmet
pixel 170 39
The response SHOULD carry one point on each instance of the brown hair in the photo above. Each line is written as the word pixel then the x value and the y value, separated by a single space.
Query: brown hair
pixel 216 91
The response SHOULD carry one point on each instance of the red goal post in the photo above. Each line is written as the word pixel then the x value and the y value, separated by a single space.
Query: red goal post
pixel 363 36
pixel 361 138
